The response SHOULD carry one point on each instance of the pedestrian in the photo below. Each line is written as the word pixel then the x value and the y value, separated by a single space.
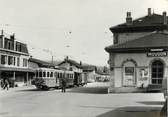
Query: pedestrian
pixel 64 85
pixel 6 84
pixel 1 81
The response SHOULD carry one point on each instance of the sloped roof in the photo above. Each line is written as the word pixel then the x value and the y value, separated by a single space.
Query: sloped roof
pixel 40 62
pixel 152 22
pixel 89 68
pixel 73 62
pixel 154 40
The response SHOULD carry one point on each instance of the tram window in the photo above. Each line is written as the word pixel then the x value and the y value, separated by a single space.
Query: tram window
pixel 51 75
pixel 60 75
pixel 44 74
pixel 40 74
pixel 55 74
pixel 36 74
pixel 48 74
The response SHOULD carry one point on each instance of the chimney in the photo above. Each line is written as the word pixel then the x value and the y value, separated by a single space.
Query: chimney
pixel 12 36
pixel 66 58
pixel 164 18
pixel 149 12
pixel 80 63
pixel 129 19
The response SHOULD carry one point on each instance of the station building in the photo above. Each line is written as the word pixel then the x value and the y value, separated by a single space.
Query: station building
pixel 14 60
pixel 74 66
pixel 138 58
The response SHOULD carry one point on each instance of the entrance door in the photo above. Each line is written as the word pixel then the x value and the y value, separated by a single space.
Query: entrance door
pixel 128 76
pixel 157 72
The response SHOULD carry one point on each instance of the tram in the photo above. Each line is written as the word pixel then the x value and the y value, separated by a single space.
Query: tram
pixel 46 78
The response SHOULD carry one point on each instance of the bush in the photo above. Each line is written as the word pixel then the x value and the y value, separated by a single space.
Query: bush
pixel 38 81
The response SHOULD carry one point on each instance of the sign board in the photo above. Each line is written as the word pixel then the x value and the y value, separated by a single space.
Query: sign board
pixel 144 74
pixel 157 54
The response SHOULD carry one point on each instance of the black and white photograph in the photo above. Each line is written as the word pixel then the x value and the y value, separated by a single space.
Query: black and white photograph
pixel 83 58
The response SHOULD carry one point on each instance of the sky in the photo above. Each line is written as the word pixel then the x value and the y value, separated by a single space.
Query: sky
pixel 75 28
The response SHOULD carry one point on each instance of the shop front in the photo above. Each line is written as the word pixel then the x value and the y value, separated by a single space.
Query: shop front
pixel 16 76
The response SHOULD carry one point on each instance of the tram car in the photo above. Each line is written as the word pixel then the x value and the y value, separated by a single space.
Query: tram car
pixel 46 78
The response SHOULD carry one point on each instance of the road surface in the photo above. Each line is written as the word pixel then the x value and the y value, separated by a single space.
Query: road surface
pixel 87 101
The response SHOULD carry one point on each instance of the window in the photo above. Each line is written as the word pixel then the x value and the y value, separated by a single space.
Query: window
pixel 24 62
pixel 9 44
pixel 48 74
pixel 3 59
pixel 60 75
pixel 1 42
pixel 129 70
pixel 40 74
pixel 51 74
pixel 44 74
pixel 18 61
pixel 36 74
pixel 18 46
pixel 10 60
pixel 14 61
pixel 157 72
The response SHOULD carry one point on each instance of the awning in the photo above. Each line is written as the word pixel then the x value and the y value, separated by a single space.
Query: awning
pixel 16 69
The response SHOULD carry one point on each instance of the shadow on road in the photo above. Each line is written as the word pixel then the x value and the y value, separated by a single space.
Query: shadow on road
pixel 90 90
pixel 34 89
pixel 152 102
pixel 133 112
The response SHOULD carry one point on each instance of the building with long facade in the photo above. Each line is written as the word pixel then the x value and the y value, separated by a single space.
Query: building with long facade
pixel 14 60
pixel 138 58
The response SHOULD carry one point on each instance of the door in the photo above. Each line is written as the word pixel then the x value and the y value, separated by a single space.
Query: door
pixel 157 72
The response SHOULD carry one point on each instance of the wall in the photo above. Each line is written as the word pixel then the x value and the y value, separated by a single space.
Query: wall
pixel 15 55
pixel 142 61
pixel 74 68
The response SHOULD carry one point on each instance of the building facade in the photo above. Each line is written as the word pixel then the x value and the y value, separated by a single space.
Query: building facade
pixel 74 66
pixel 14 60
pixel 89 73
pixel 138 58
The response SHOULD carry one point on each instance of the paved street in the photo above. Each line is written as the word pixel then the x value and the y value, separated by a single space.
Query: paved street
pixel 87 101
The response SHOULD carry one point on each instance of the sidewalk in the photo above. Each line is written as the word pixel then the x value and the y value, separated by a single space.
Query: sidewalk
pixel 133 112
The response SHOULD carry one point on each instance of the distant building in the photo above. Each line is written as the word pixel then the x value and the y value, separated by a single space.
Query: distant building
pixel 74 66
pixel 138 58
pixel 14 60
pixel 89 73
pixel 36 63
pixel 102 76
